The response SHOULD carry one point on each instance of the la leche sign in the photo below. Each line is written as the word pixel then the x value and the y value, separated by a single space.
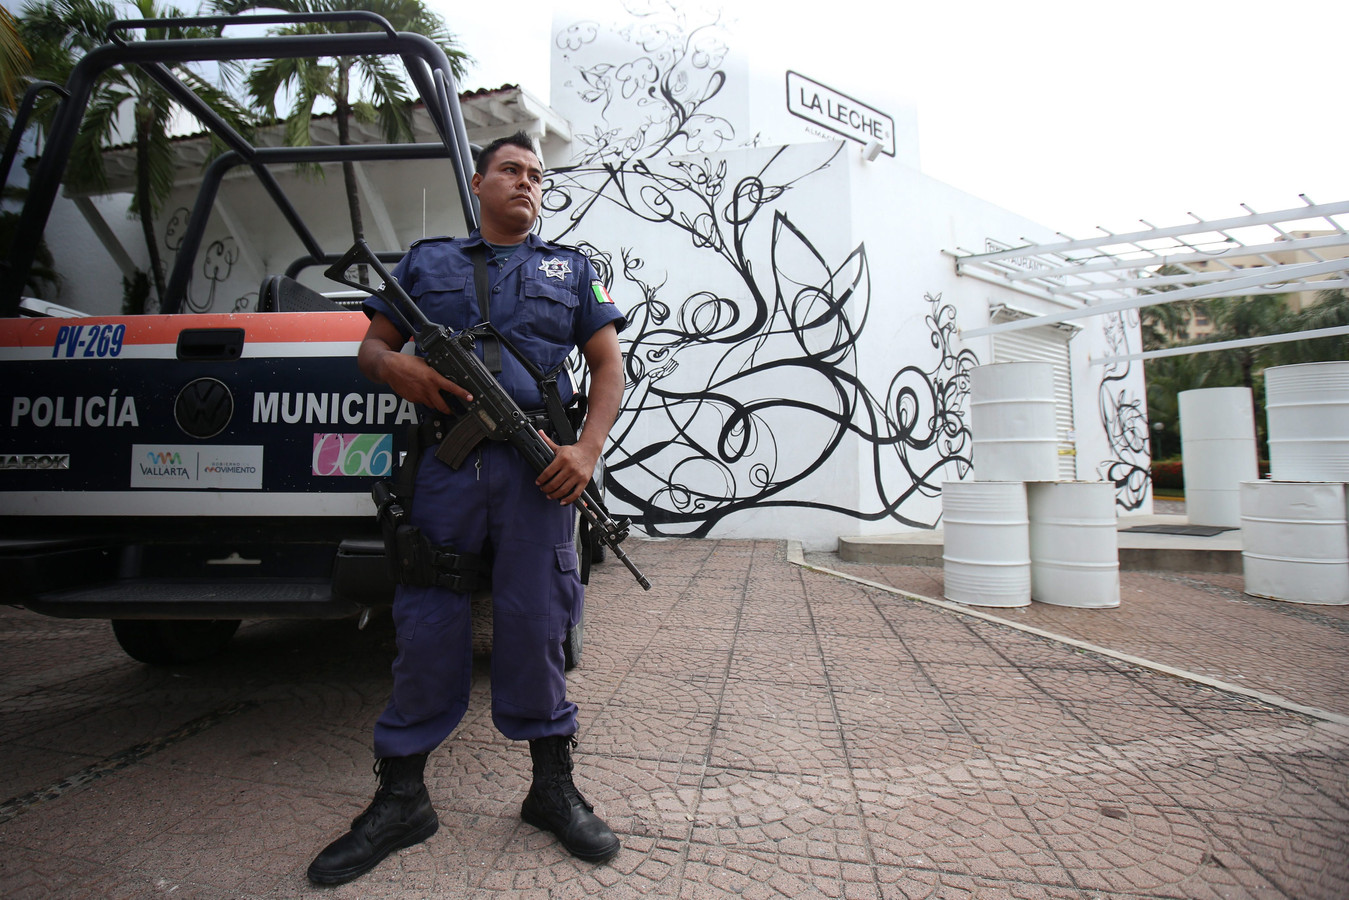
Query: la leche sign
pixel 839 113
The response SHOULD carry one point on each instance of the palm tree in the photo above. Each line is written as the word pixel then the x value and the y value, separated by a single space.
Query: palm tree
pixel 14 66
pixel 344 81
pixel 1237 318
pixel 14 61
pixel 1331 309
pixel 1166 377
pixel 1161 325
pixel 59 33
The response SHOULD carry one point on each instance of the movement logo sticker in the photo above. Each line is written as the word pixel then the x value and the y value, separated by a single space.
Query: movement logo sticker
pixel 196 468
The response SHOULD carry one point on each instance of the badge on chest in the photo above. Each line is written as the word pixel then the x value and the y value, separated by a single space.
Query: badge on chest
pixel 555 268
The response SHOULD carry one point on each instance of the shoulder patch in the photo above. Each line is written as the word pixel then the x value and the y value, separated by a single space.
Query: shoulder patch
pixel 601 295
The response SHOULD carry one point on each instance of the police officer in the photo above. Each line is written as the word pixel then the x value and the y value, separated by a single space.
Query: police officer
pixel 545 299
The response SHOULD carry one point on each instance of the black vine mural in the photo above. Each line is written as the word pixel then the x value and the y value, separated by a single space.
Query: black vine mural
pixel 1124 419
pixel 740 391
pixel 217 263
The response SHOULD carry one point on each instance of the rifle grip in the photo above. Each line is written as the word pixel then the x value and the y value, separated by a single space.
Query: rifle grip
pixel 468 431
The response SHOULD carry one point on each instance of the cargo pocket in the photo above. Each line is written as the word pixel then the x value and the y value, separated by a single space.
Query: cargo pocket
pixel 566 557
pixel 569 591
pixel 528 665
pixel 550 310
pixel 442 298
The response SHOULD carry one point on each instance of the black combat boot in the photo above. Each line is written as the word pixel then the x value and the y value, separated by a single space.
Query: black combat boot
pixel 399 816
pixel 555 805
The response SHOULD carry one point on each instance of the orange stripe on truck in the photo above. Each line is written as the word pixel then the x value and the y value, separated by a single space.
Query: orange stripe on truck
pixel 318 327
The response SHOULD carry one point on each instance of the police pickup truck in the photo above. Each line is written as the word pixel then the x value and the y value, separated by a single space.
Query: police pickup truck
pixel 176 473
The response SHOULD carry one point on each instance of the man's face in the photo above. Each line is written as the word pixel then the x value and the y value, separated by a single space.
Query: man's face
pixel 511 190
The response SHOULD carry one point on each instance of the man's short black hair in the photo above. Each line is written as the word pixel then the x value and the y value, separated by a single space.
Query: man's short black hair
pixel 519 139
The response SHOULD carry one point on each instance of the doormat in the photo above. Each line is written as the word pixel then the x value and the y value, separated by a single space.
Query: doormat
pixel 1193 530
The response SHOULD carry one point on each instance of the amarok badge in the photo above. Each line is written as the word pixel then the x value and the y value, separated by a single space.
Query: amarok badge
pixel 555 268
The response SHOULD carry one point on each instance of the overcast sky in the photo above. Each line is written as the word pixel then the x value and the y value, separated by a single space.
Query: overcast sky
pixel 1072 113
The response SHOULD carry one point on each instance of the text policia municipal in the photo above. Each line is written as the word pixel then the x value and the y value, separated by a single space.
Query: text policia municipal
pixel 269 408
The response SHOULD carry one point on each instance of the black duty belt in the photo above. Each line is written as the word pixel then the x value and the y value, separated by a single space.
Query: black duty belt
pixel 432 429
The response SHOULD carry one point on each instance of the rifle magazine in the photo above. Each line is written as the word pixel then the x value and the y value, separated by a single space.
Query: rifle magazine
pixel 466 433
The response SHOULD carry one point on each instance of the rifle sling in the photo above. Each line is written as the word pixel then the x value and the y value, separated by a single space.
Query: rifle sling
pixel 492 340
pixel 491 346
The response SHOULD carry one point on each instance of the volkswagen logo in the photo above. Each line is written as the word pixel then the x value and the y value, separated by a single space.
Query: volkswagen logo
pixel 204 408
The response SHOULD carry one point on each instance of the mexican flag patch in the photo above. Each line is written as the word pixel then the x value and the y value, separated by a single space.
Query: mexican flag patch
pixel 601 295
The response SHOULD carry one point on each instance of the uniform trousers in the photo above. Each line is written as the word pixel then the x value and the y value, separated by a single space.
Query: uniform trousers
pixel 489 505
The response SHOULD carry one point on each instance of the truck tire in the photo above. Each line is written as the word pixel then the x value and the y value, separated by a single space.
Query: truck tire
pixel 572 644
pixel 167 642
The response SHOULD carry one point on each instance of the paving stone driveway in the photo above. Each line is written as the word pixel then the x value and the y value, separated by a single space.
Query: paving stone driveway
pixel 750 728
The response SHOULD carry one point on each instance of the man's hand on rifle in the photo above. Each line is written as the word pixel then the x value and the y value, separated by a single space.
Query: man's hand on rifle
pixel 573 467
pixel 409 376
pixel 569 473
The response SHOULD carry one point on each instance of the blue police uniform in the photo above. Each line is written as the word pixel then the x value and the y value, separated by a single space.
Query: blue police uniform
pixel 542 301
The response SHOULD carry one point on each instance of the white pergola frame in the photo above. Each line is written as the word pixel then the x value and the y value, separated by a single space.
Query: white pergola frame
pixel 1240 256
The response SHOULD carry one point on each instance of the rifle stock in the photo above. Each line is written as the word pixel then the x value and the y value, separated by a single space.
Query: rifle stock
pixel 493 414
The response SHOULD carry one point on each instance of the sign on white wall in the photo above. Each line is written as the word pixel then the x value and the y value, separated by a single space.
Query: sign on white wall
pixel 839 113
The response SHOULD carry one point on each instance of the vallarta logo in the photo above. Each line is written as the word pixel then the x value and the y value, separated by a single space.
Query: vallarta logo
pixel 200 468
pixel 164 464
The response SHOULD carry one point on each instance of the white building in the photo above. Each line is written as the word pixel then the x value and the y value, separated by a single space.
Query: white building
pixel 795 364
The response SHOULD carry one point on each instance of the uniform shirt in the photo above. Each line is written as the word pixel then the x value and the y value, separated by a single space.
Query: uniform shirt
pixel 542 300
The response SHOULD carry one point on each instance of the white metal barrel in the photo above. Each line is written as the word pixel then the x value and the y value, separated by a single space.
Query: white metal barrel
pixel 1074 544
pixel 1295 541
pixel 1217 440
pixel 986 550
pixel 1012 421
pixel 1307 412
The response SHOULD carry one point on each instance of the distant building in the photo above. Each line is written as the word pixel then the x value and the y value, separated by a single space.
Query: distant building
pixel 1312 249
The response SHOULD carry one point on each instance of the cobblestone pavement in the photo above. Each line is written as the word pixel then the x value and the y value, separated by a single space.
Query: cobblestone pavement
pixel 750 728
pixel 1199 623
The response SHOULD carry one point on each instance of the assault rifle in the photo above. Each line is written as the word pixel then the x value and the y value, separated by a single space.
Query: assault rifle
pixel 493 415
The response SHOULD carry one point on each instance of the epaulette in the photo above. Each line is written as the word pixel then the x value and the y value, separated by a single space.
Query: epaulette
pixel 554 245
pixel 431 240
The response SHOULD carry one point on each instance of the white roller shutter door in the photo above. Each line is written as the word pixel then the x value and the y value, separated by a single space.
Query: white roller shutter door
pixel 1047 344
